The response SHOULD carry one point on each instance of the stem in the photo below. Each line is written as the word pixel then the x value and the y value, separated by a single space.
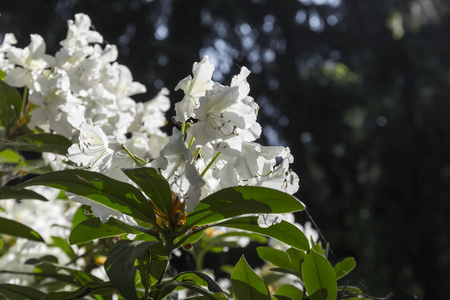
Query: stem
pixel 24 101
pixel 210 164
pixel 136 161
pixel 191 142
pixel 183 128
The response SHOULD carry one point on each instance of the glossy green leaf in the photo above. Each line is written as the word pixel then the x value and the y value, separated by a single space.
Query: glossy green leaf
pixel 92 229
pixel 319 277
pixel 10 104
pixel 284 231
pixel 38 142
pixel 344 267
pixel 14 228
pixel 9 193
pixel 154 185
pixel 287 291
pixel 276 257
pixel 115 194
pixel 17 292
pixel 235 201
pixel 120 264
pixel 247 285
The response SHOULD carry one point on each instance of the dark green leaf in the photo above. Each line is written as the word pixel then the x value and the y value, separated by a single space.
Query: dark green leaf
pixel 154 185
pixel 17 292
pixel 344 267
pixel 319 277
pixel 120 264
pixel 39 142
pixel 284 231
pixel 18 229
pixel 92 229
pixel 97 288
pixel 288 292
pixel 8 193
pixel 115 194
pixel 285 271
pixel 247 285
pixel 63 245
pixel 10 104
pixel 240 200
pixel 276 257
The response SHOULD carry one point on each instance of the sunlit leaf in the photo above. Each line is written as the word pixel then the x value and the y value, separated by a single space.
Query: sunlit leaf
pixel 9 156
pixel 319 277
pixel 247 285
pixel 288 292
pixel 276 257
pixel 240 200
pixel 14 228
pixel 284 231
pixel 115 194
pixel 344 267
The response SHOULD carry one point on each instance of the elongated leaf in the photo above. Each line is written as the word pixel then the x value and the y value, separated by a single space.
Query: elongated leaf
pixel 344 267
pixel 247 285
pixel 10 103
pixel 288 291
pixel 92 229
pixel 276 257
pixel 92 288
pixel 9 156
pixel 118 195
pixel 120 264
pixel 9 193
pixel 39 142
pixel 14 292
pixel 284 231
pixel 319 277
pixel 297 257
pixel 154 185
pixel 18 229
pixel 240 200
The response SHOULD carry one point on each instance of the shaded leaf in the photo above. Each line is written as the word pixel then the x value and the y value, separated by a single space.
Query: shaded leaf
pixel 276 257
pixel 63 245
pixel 92 288
pixel 154 185
pixel 296 257
pixel 10 104
pixel 14 228
pixel 247 285
pixel 115 194
pixel 319 277
pixel 235 201
pixel 39 142
pixel 288 291
pixel 17 292
pixel 9 193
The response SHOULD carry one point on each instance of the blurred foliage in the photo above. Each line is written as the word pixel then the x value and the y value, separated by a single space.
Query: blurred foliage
pixel 358 90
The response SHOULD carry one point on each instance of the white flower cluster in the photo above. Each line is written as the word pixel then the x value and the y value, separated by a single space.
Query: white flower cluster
pixel 84 95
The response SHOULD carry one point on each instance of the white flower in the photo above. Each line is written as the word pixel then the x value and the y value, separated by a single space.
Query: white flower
pixel 8 40
pixel 79 34
pixel 194 88
pixel 31 61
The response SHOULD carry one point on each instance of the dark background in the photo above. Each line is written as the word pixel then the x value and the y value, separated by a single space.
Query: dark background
pixel 359 90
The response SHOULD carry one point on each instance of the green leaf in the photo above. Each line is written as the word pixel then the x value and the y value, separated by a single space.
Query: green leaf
pixel 17 292
pixel 276 257
pixel 120 264
pixel 154 185
pixel 8 193
pixel 344 267
pixel 10 104
pixel 63 245
pixel 14 228
pixel 92 288
pixel 287 291
pixel 9 156
pixel 247 285
pixel 235 201
pixel 284 231
pixel 319 277
pixel 296 257
pixel 2 75
pixel 115 194
pixel 92 229
pixel 38 142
